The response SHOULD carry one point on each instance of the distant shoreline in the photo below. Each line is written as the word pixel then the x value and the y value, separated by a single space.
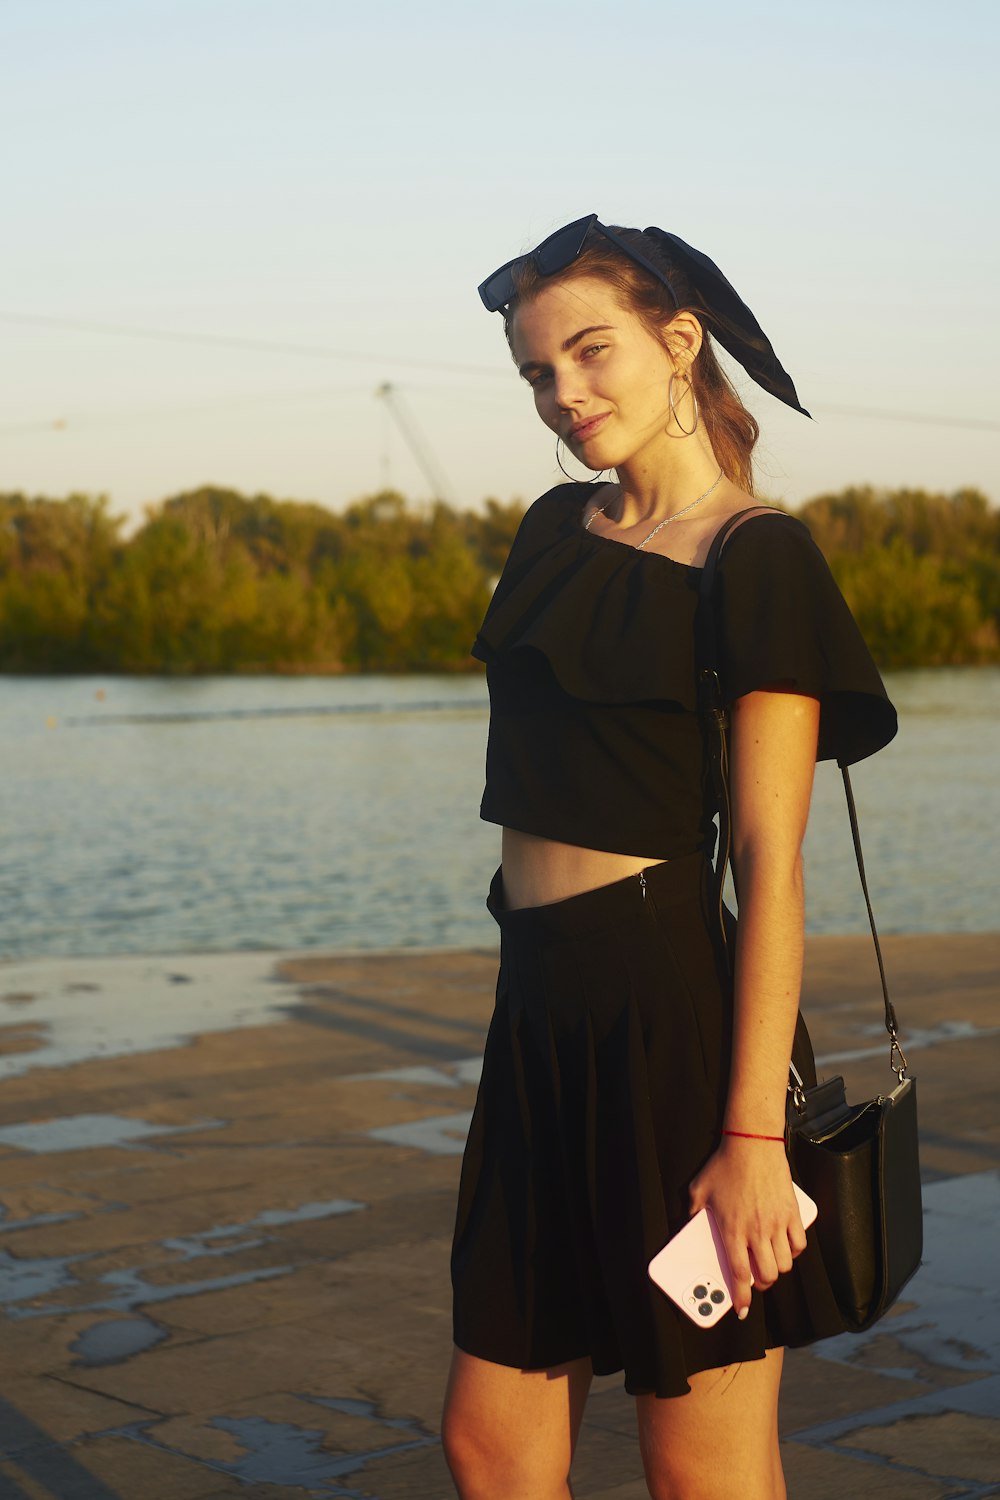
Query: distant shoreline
pixel 411 950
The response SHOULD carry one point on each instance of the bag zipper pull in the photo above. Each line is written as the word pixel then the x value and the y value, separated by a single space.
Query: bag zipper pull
pixel 642 883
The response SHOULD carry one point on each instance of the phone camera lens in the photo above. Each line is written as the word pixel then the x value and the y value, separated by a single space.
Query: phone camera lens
pixel 718 1297
pixel 701 1291
pixel 705 1308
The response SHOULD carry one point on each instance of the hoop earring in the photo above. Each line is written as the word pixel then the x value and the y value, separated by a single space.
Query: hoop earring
pixel 596 474
pixel 673 409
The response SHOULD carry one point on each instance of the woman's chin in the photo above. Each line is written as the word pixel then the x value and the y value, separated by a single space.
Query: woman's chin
pixel 594 455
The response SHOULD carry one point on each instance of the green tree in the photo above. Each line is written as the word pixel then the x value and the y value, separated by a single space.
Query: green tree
pixel 921 571
pixel 55 556
pixel 215 581
pixel 910 611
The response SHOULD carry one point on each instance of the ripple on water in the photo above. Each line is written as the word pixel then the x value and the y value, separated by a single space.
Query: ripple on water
pixel 270 813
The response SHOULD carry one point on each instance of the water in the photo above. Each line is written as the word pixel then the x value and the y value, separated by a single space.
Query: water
pixel 161 815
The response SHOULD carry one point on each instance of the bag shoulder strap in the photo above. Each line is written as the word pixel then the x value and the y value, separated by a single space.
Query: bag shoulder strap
pixel 706 634
pixel 711 708
pixel 715 718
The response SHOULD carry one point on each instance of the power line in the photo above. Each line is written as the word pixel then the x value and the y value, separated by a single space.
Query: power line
pixel 972 424
pixel 926 419
pixel 317 351
pixel 231 341
pixel 73 421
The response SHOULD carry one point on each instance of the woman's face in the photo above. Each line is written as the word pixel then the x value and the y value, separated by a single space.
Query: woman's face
pixel 599 377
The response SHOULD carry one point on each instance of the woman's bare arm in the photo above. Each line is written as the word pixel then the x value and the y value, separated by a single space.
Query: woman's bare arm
pixel 747 1182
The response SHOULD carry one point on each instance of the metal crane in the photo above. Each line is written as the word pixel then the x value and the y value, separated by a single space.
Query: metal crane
pixel 440 488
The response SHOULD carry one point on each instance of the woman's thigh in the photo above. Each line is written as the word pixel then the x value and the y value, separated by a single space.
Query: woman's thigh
pixel 511 1433
pixel 720 1440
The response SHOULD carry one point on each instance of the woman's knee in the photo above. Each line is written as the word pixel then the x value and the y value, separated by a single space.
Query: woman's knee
pixel 719 1440
pixel 466 1454
pixel 487 1465
pixel 470 1447
pixel 509 1433
pixel 687 1480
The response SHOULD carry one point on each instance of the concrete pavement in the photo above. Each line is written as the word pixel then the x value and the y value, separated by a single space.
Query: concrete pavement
pixel 226 1193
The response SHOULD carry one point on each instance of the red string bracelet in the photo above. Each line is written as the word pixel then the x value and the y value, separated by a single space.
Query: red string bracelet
pixel 748 1135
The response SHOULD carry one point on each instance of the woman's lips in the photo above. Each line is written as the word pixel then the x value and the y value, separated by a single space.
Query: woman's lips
pixel 584 430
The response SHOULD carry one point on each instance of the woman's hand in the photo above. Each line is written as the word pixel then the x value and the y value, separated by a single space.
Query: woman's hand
pixel 748 1187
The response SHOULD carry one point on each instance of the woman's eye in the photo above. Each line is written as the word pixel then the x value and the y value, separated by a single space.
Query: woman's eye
pixel 542 377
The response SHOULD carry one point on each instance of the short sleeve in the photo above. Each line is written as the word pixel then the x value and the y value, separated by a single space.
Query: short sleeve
pixel 782 619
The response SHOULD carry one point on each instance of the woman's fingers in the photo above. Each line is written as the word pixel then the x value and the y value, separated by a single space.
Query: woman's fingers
pixel 740 1279
pixel 782 1252
pixel 797 1238
pixel 759 1262
pixel 765 1264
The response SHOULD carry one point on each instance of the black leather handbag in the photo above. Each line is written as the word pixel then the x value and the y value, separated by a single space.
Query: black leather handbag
pixel 859 1163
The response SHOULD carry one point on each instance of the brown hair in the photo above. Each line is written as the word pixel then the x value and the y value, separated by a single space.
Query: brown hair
pixel 731 429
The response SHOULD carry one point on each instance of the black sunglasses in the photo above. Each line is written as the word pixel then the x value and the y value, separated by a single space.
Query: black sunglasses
pixel 555 253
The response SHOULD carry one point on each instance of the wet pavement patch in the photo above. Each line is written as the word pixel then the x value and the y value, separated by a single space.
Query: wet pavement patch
pixel 24 1280
pixel 133 1004
pixel 283 1453
pixel 36 1221
pixel 126 1289
pixel 269 1218
pixel 86 1132
pixel 351 1407
pixel 116 1340
pixel 467 1071
pixel 441 1135
pixel 279 1453
pixel 193 1246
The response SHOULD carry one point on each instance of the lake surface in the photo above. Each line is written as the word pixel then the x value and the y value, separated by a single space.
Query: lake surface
pixel 157 815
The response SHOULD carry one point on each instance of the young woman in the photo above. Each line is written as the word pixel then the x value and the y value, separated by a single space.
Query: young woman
pixel 628 1081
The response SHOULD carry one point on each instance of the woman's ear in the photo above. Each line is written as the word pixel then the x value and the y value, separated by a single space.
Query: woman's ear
pixel 683 337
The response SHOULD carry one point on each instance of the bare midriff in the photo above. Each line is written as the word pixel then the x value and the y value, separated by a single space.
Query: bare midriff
pixel 538 871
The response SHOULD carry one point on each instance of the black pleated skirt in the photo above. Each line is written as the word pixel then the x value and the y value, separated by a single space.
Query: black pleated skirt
pixel 603 1092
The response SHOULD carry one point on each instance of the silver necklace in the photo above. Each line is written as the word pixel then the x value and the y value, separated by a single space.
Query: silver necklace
pixel 667 519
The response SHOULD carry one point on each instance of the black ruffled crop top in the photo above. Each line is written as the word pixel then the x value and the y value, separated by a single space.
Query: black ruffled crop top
pixel 594 736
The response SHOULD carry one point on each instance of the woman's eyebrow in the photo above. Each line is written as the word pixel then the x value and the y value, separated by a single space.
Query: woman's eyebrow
pixel 533 364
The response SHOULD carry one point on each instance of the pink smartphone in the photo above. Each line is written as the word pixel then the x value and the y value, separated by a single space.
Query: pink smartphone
pixel 693 1269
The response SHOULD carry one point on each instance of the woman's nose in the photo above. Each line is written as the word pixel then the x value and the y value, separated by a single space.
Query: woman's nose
pixel 567 388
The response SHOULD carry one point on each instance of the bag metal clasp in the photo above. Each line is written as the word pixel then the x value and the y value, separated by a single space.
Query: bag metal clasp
pixel 897 1057
pixel 797 1090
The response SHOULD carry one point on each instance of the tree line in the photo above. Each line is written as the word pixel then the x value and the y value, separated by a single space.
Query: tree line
pixel 214 581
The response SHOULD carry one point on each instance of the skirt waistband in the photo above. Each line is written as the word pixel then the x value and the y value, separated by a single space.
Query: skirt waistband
pixel 668 883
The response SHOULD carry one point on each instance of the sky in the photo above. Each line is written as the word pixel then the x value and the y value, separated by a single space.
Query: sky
pixel 228 224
